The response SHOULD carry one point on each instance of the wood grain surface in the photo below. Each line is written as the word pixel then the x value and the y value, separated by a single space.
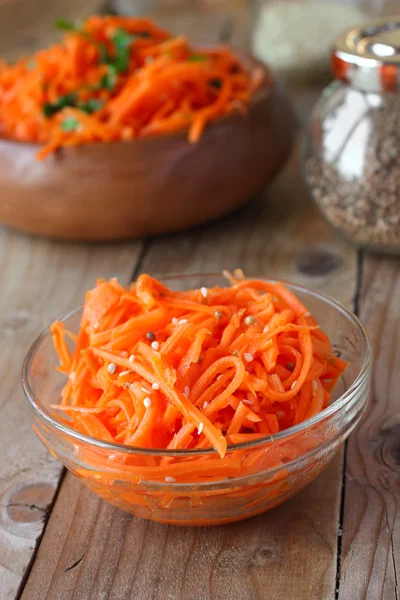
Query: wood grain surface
pixel 371 525
pixel 40 280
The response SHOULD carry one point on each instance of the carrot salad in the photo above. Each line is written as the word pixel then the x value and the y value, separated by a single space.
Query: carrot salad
pixel 119 78
pixel 195 369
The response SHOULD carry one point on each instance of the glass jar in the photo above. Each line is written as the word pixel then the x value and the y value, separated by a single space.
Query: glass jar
pixel 351 159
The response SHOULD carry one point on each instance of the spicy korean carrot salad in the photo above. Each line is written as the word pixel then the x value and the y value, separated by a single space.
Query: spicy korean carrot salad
pixel 119 78
pixel 195 369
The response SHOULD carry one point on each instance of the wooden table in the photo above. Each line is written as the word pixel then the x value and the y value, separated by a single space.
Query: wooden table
pixel 339 538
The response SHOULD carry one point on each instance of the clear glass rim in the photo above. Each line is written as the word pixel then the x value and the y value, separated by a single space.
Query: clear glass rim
pixel 45 415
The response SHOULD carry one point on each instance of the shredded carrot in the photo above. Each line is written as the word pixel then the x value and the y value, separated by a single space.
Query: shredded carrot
pixel 157 368
pixel 118 78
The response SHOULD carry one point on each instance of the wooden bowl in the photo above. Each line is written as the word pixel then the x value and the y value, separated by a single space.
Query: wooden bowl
pixel 151 185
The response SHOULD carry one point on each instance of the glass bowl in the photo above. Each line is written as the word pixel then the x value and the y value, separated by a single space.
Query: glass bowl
pixel 254 476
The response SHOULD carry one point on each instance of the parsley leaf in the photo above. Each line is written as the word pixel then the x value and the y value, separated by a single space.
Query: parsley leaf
pixel 51 108
pixel 65 25
pixel 91 105
pixel 69 124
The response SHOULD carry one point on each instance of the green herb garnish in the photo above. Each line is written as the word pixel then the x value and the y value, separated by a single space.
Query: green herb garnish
pixel 65 25
pixel 69 124
pixel 91 105
pixel 51 108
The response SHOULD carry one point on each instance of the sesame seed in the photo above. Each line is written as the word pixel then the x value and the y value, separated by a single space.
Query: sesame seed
pixel 170 479
pixel 96 325
pixel 204 292
pixel 150 336
pixel 156 386
pixel 175 321
pixel 219 377
pixel 205 404
pixel 293 384
pixel 200 428
pixel 72 376
pixel 132 358
pixel 314 386
pixel 145 390
pixel 182 321
pixel 128 372
pixel 155 345
pixel 147 402
pixel 113 457
pixel 187 390
pixel 307 314
pixel 248 357
pixel 218 314
pixel 112 367
pixel 249 320
pixel 266 329
pixel 248 402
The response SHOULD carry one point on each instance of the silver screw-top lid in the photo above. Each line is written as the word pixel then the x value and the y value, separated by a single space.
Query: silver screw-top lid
pixel 368 56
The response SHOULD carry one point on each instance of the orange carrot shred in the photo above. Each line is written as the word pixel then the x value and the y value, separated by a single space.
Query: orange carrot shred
pixel 157 368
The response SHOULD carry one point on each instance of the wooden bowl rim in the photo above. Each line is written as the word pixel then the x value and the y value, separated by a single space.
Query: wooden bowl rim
pixel 259 95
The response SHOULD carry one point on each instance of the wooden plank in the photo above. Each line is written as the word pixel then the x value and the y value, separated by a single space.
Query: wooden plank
pixel 40 280
pixel 288 553
pixel 371 539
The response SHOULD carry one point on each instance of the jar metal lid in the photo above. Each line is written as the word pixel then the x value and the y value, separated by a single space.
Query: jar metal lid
pixel 368 56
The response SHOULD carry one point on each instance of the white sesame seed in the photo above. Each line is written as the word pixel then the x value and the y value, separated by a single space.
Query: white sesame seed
pixel 307 314
pixel 186 390
pixel 96 325
pixel 293 384
pixel 314 386
pixel 219 377
pixel 249 320
pixel 205 404
pixel 248 357
pixel 132 358
pixel 218 314
pixel 266 329
pixel 147 402
pixel 170 479
pixel 156 386
pixel 72 376
pixel 204 292
pixel 200 428
pixel 112 457
pixel 175 321
pixel 155 345
pixel 112 367
pixel 182 321
pixel 128 372
pixel 248 402
pixel 145 390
